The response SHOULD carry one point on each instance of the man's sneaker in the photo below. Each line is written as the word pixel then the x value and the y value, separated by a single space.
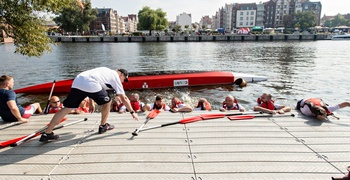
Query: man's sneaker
pixel 48 137
pixel 104 128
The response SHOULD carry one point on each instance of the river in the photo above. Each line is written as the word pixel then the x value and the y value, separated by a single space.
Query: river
pixel 296 69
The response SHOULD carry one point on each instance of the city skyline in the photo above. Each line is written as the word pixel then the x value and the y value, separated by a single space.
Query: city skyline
pixel 199 8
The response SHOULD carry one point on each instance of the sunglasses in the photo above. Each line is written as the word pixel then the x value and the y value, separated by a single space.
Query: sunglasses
pixel 56 101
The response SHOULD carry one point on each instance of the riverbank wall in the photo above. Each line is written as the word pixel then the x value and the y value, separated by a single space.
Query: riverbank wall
pixel 279 37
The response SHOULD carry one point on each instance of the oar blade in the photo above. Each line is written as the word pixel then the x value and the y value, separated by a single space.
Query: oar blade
pixel 153 114
pixel 240 117
pixel 212 116
pixel 191 119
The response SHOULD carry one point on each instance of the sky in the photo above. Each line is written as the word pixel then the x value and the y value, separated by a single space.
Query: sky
pixel 199 8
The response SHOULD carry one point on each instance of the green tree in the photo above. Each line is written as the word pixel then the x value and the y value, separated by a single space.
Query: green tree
pixel 76 18
pixel 21 20
pixel 327 23
pixel 288 21
pixel 150 19
pixel 338 20
pixel 304 20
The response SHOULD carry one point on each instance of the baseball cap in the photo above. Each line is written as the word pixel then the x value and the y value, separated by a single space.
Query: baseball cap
pixel 125 72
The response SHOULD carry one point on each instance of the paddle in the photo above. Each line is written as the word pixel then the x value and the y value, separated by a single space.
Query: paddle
pixel 36 133
pixel 43 130
pixel 48 101
pixel 197 118
pixel 150 116
pixel 245 117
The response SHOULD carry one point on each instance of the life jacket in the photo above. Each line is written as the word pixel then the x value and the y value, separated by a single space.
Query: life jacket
pixel 117 106
pixel 158 108
pixel 234 107
pixel 53 110
pixel 204 106
pixel 135 105
pixel 267 105
pixel 312 102
pixel 176 105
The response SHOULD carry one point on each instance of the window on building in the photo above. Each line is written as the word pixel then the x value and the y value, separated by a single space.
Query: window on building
pixel 251 18
pixel 241 18
pixel 247 12
pixel 241 13
pixel 247 18
pixel 285 11
pixel 246 23
pixel 251 23
pixel 241 23
pixel 278 6
pixel 278 12
pixel 285 6
pixel 252 13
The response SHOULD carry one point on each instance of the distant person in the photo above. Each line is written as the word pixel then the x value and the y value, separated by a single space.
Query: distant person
pixel 179 106
pixel 157 104
pixel 93 83
pixel 117 105
pixel 203 104
pixel 135 102
pixel 10 110
pixel 317 108
pixel 267 105
pixel 231 103
pixel 54 105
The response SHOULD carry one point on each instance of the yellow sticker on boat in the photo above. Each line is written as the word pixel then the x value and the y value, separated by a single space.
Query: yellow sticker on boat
pixel 181 82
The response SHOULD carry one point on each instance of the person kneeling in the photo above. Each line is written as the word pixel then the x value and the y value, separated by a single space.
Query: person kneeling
pixel 267 105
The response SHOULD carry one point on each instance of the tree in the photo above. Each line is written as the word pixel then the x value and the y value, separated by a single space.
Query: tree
pixel 76 18
pixel 288 21
pixel 338 20
pixel 21 20
pixel 150 19
pixel 327 23
pixel 304 20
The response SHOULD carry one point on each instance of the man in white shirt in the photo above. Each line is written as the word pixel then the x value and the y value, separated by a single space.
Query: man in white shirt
pixel 94 84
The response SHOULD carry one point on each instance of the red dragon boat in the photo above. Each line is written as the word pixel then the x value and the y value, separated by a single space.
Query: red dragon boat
pixel 156 80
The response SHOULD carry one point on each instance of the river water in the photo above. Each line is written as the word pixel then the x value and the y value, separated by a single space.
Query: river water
pixel 296 69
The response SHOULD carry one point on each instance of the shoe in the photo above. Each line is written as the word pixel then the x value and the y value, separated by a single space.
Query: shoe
pixel 104 128
pixel 48 137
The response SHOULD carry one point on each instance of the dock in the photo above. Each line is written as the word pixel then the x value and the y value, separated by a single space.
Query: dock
pixel 200 38
pixel 277 147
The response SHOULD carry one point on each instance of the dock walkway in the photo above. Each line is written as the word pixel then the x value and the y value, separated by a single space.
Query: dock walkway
pixel 259 148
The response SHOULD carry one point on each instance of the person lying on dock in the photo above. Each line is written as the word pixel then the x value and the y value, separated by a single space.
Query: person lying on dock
pixel 10 110
pixel 135 102
pixel 203 104
pixel 157 104
pixel 93 83
pixel 267 105
pixel 317 108
pixel 117 105
pixel 231 103
pixel 178 106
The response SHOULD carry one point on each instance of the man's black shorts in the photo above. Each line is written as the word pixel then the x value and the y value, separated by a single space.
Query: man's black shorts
pixel 76 96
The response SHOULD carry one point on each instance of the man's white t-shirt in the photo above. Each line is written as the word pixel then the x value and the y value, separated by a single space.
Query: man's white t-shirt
pixel 95 80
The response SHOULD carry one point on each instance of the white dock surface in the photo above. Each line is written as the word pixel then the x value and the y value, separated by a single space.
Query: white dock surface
pixel 259 148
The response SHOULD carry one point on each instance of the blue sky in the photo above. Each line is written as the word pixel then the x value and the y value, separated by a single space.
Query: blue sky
pixel 199 8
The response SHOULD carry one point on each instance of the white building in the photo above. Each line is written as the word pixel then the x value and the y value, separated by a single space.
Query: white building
pixel 227 17
pixel 183 20
pixel 282 9
pixel 246 15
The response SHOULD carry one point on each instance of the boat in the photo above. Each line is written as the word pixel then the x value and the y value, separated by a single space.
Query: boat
pixel 341 36
pixel 156 80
